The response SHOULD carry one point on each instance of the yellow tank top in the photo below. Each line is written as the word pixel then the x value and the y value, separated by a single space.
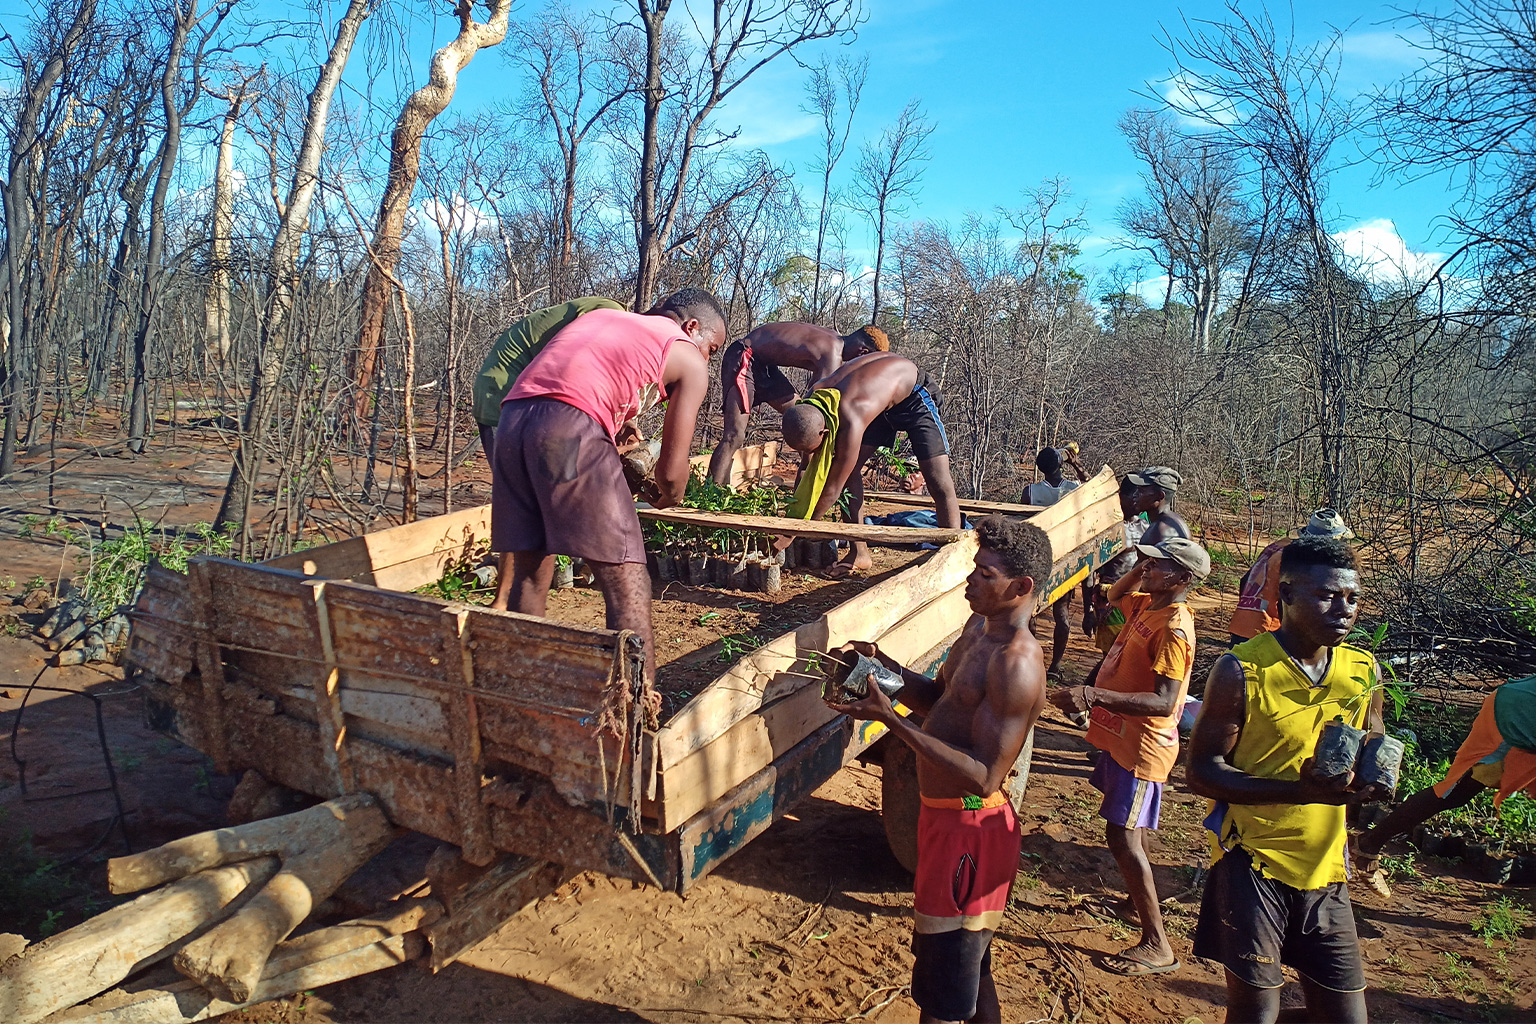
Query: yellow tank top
pixel 1301 845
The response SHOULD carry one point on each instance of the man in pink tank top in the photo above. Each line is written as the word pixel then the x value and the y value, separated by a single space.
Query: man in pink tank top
pixel 557 483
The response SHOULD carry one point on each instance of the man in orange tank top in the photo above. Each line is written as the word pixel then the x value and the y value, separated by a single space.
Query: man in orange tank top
pixel 1258 595
pixel 1134 708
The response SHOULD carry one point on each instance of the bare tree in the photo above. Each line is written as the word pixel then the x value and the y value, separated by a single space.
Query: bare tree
pixel 680 87
pixel 420 109
pixel 184 18
pixel 1192 218
pixel 887 179
pixel 272 347
pixel 563 54
pixel 832 95
pixel 40 72
pixel 1268 100
pixel 221 221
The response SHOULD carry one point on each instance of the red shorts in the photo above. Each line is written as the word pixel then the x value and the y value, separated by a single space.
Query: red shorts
pixel 966 860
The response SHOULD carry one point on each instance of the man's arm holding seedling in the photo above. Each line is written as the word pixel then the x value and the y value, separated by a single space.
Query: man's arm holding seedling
pixel 1215 737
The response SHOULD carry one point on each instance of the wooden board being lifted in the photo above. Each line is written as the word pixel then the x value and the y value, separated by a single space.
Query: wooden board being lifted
pixel 814 529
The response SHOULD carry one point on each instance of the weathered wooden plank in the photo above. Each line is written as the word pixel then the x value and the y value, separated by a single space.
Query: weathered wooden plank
pixel 1075 566
pixel 815 529
pixel 327 682
pixel 157 638
pixel 1067 512
pixel 748 464
pixel 708 773
pixel 462 712
pixel 489 902
pixel 400 557
pixel 1007 508
pixel 210 664
pixel 762 676
pixel 737 818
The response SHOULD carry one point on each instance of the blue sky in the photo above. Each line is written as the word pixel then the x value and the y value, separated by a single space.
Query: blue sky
pixel 1020 92
pixel 1025 91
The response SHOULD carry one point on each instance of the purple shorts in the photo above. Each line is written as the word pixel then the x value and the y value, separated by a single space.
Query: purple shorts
pixel 1129 802
pixel 557 485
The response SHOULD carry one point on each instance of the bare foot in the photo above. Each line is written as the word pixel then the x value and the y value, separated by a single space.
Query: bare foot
pixel 847 567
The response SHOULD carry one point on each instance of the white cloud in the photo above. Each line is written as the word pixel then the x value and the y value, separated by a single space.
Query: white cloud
pixel 457 216
pixel 1375 250
pixel 1184 93
pixel 1386 47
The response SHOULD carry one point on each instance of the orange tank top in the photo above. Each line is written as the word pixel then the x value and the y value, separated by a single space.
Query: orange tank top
pixel 1153 642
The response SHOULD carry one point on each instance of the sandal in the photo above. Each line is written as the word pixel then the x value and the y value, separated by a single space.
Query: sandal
pixel 1127 966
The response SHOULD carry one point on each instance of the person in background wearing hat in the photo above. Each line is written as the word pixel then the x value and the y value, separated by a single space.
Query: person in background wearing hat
pixel 1046 493
pixel 1258 595
pixel 1134 708
pixel 1277 892
pixel 1151 492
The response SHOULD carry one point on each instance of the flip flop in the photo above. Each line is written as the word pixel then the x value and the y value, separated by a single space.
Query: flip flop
pixel 1130 967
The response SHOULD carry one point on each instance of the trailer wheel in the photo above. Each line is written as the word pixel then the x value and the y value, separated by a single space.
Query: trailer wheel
pixel 900 801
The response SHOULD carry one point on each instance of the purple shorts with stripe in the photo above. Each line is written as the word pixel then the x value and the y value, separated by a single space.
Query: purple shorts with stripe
pixel 1129 802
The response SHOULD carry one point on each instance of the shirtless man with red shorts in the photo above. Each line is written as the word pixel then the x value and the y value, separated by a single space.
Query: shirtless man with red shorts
pixel 750 374
pixel 978 714
pixel 557 483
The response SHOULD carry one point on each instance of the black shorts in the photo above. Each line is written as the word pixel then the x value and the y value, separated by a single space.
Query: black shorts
pixel 488 441
pixel 947 970
pixel 1251 925
pixel 753 379
pixel 918 416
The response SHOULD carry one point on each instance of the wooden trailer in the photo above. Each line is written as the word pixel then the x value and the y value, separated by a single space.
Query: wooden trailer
pixel 495 731
pixel 524 743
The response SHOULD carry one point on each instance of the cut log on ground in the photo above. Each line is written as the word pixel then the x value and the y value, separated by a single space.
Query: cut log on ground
pixel 228 960
pixel 322 957
pixel 287 836
pixel 92 957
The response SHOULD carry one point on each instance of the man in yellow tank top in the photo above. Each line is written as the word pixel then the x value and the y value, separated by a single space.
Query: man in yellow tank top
pixel 1277 893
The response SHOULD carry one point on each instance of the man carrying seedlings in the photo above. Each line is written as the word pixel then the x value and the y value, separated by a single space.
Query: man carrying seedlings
pixel 977 713
pixel 557 481
pixel 750 374
pixel 509 355
pixel 1276 893
pixel 1048 492
pixel 1151 492
pixel 1258 595
pixel 855 411
pixel 1134 706
pixel 1498 754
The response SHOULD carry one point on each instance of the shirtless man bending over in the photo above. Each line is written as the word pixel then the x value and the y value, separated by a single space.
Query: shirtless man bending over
pixel 978 713
pixel 750 374
pixel 879 395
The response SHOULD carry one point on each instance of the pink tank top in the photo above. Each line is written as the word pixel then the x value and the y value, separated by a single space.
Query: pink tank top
pixel 600 363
